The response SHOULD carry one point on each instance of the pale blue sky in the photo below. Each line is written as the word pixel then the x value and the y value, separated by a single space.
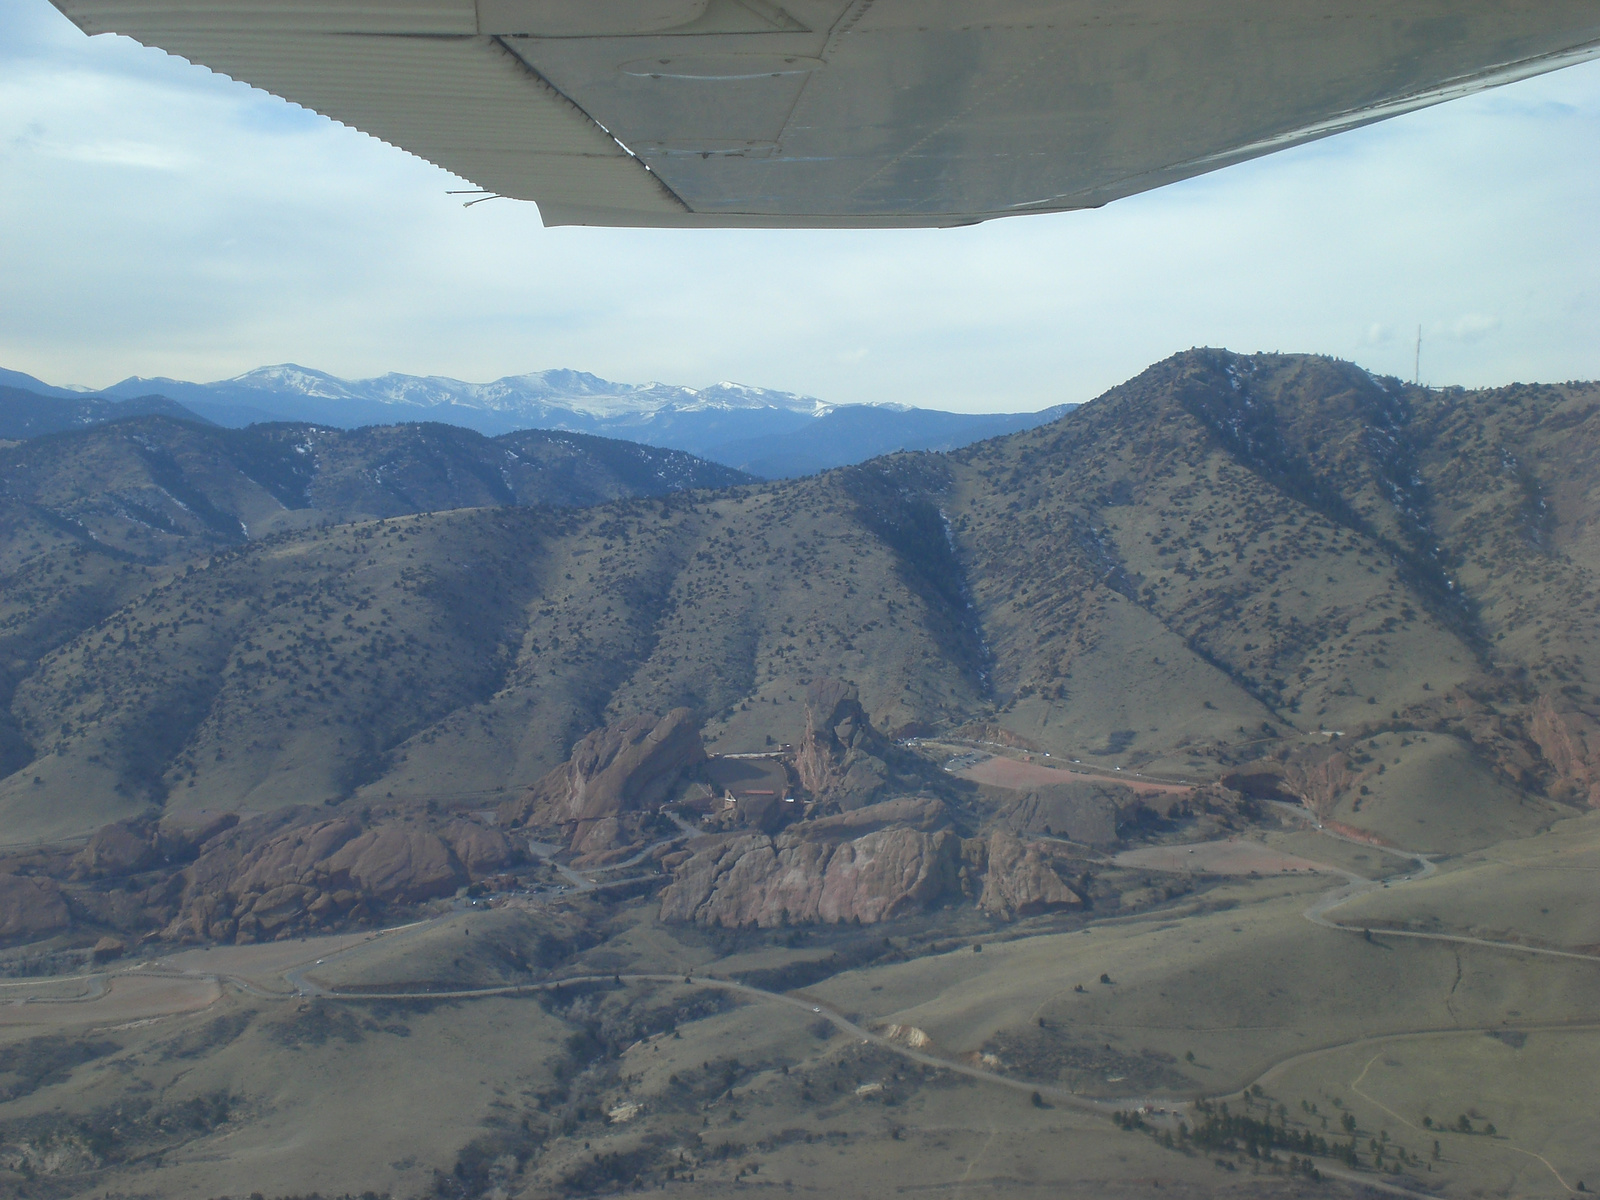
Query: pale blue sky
pixel 156 219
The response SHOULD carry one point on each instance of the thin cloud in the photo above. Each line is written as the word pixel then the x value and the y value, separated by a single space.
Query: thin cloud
pixel 1472 327
pixel 142 155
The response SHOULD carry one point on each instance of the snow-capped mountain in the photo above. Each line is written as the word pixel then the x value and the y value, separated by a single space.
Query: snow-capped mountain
pixel 580 392
pixel 763 430
pixel 540 396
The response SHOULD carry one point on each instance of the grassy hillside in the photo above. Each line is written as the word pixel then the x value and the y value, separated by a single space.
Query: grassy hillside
pixel 1356 615
pixel 1226 561
pixel 450 656
pixel 98 519
pixel 1228 557
pixel 133 483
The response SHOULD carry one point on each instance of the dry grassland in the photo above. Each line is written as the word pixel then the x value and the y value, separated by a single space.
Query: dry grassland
pixel 1534 1086
pixel 1540 890
pixel 1001 771
pixel 606 1085
pixel 1233 857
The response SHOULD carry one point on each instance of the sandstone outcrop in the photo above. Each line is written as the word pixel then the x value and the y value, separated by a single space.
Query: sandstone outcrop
pixel 397 865
pixel 922 813
pixel 1019 880
pixel 120 849
pixel 314 875
pixel 1569 739
pixel 482 850
pixel 842 758
pixel 291 872
pixel 130 847
pixel 31 907
pixel 812 875
pixel 1318 776
pixel 1080 812
pixel 627 768
pixel 870 864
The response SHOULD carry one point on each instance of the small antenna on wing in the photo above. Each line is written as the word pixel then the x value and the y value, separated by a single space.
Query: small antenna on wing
pixel 482 194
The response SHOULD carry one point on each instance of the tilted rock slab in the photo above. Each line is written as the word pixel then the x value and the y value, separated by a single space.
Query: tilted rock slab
pixel 1569 739
pixel 841 757
pixel 1020 881
pixel 31 907
pixel 327 869
pixel 629 767
pixel 1085 812
pixel 759 880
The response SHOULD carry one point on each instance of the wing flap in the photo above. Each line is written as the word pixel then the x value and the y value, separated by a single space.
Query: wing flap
pixel 458 99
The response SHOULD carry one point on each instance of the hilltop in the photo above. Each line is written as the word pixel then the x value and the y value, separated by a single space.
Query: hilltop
pixel 26 414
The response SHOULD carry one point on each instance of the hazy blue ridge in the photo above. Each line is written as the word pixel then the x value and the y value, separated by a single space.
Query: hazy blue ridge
pixel 27 414
pixel 857 432
pixel 16 379
pixel 768 433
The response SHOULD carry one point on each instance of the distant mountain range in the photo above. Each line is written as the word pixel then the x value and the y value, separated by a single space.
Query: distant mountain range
pixel 25 414
pixel 766 432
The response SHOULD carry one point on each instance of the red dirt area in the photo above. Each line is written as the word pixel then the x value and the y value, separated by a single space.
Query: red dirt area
pixel 1000 771
pixel 1217 858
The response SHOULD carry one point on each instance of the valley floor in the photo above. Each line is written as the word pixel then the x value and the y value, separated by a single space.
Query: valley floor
pixel 1358 1021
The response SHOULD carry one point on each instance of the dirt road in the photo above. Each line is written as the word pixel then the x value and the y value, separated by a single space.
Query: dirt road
pixel 1000 771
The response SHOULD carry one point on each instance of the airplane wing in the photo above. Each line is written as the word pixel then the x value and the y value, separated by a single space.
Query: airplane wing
pixel 851 113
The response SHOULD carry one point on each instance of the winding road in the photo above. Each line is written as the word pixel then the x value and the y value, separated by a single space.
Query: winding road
pixel 298 979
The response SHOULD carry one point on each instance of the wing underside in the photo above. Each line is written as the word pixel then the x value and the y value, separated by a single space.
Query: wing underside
pixel 851 113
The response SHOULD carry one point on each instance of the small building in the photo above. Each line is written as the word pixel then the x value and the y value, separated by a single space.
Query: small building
pixel 754 791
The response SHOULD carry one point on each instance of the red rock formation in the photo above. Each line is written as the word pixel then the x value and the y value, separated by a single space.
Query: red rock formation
pixel 1020 881
pixel 30 907
pixel 841 758
pixel 916 812
pixel 833 872
pixel 316 874
pixel 482 850
pixel 1569 739
pixel 294 856
pixel 119 849
pixel 396 865
pixel 626 768
pixel 1318 775
pixel 815 875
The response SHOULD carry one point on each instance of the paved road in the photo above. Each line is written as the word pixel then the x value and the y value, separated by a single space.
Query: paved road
pixel 583 883
pixel 96 986
pixel 1353 887
pixel 1358 886
pixel 1064 1096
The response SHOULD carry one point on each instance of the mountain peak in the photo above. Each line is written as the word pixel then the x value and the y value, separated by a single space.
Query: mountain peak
pixel 18 379
pixel 292 377
pixel 739 424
